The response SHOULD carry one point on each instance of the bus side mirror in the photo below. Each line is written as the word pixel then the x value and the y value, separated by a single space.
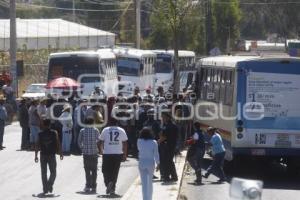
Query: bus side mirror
pixel 142 67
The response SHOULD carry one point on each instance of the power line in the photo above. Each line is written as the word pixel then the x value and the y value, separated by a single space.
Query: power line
pixel 70 9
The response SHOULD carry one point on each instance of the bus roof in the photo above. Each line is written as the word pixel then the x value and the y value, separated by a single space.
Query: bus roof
pixel 102 54
pixel 181 53
pixel 231 61
pixel 133 53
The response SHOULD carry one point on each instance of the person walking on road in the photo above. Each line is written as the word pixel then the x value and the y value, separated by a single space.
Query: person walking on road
pixel 48 144
pixel 219 155
pixel 148 156
pixel 88 141
pixel 113 146
pixel 67 124
pixel 3 116
pixel 196 152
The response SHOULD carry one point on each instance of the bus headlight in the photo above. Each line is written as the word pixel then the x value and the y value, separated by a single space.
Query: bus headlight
pixel 240 135
pixel 240 129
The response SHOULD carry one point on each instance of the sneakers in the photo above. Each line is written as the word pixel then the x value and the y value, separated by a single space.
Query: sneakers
pixel 86 189
pixel 110 189
pixel 93 190
pixel 198 182
pixel 205 176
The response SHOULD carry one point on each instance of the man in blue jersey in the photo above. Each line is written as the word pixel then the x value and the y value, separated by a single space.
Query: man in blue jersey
pixel 219 154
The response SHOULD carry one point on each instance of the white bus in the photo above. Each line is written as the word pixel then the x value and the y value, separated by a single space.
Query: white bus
pixel 91 69
pixel 254 102
pixel 164 68
pixel 135 69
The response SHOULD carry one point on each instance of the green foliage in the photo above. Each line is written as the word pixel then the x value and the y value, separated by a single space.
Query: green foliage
pixel 180 18
pixel 226 19
pixel 259 20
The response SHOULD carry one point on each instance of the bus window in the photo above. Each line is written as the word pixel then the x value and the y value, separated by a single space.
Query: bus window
pixel 128 66
pixel 209 75
pixel 73 66
pixel 163 64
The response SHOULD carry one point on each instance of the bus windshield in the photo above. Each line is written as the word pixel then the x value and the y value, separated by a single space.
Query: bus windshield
pixel 128 66
pixel 163 65
pixel 73 66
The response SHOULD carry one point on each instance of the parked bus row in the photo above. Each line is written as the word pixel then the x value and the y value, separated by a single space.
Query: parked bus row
pixel 120 70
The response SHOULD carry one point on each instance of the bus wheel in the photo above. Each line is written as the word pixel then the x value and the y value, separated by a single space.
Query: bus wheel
pixel 293 168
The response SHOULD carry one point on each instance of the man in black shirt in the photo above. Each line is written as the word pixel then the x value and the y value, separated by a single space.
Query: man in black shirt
pixel 48 143
pixel 24 123
pixel 167 141
pixel 196 151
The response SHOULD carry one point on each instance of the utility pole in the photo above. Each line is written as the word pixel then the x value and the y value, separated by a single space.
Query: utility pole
pixel 138 23
pixel 208 27
pixel 74 13
pixel 13 45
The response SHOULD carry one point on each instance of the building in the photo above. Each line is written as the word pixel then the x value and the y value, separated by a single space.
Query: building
pixel 36 34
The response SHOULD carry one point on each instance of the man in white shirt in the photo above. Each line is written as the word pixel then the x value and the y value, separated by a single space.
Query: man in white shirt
pixel 113 146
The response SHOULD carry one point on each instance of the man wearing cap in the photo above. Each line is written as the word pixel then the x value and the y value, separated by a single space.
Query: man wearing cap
pixel 3 116
pixel 67 124
pixel 34 123
pixel 148 97
pixel 219 154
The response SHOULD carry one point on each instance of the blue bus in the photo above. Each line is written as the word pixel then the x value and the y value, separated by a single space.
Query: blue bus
pixel 254 103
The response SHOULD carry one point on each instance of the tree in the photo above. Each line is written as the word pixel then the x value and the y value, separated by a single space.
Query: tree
pixel 270 16
pixel 226 19
pixel 168 18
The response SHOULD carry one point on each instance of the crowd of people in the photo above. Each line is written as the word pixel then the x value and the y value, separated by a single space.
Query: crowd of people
pixel 115 127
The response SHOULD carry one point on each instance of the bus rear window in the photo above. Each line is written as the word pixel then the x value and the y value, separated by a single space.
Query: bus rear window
pixel 73 67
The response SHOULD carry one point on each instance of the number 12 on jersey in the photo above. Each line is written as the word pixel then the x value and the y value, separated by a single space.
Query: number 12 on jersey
pixel 114 136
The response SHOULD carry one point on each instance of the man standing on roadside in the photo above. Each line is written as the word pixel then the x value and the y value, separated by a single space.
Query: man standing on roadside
pixel 48 143
pixel 24 123
pixel 88 142
pixel 113 146
pixel 168 141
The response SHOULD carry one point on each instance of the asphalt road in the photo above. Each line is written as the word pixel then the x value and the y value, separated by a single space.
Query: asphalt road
pixel 20 175
pixel 278 185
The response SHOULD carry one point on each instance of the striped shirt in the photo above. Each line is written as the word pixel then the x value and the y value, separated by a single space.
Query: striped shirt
pixel 87 141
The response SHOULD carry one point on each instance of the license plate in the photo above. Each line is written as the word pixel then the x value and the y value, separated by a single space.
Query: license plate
pixel 258 152
pixel 283 141
pixel 283 144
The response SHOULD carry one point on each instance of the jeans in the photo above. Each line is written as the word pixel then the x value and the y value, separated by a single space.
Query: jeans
pixel 66 141
pixel 90 163
pixel 2 125
pixel 49 160
pixel 146 173
pixel 34 133
pixel 217 166
pixel 110 169
pixel 25 137
pixel 195 160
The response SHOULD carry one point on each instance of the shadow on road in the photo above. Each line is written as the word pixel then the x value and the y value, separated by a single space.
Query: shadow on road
pixel 43 196
pixel 273 174
pixel 115 196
